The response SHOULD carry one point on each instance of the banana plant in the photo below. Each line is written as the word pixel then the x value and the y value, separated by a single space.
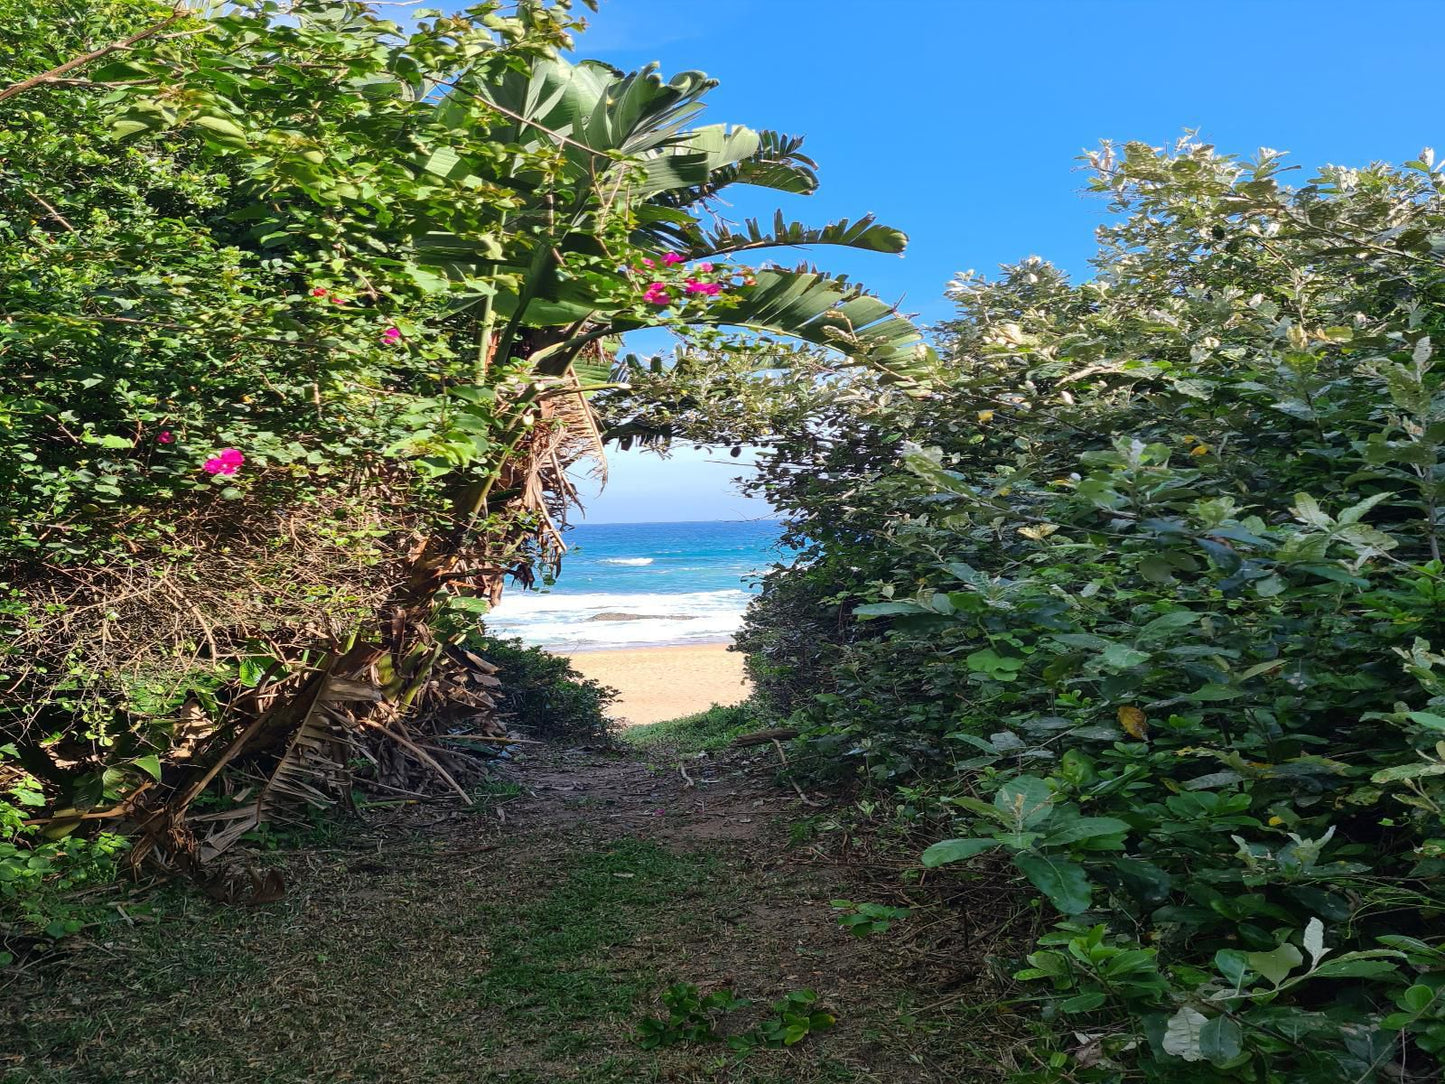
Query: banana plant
pixel 631 177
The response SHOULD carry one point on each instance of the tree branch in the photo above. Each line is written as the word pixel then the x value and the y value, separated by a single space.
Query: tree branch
pixel 70 65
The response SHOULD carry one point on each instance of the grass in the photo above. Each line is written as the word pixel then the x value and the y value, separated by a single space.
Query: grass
pixel 555 961
pixel 704 732
pixel 529 960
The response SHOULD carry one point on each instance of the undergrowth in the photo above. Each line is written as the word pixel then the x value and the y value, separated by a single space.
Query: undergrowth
pixel 702 732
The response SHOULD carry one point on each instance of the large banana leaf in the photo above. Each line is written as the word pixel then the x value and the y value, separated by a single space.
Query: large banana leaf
pixel 866 234
pixel 778 163
pixel 591 111
pixel 830 312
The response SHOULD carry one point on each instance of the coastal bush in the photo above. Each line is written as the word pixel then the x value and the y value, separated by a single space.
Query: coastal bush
pixel 1149 599
pixel 544 694
pixel 302 310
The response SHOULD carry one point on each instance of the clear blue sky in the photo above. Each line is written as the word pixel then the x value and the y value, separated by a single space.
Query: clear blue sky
pixel 961 122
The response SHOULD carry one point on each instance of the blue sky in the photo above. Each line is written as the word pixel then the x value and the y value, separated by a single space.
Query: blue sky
pixel 961 122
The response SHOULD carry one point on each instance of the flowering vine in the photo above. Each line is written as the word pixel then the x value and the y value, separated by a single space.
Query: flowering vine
pixel 224 462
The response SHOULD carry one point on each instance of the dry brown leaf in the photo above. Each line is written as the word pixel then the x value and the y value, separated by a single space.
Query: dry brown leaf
pixel 1134 722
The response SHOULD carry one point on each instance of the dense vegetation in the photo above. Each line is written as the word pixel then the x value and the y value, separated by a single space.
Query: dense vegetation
pixel 1135 599
pixel 1144 606
pixel 300 311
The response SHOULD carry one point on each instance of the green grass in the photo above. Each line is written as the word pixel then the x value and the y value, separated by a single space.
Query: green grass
pixel 555 962
pixel 705 732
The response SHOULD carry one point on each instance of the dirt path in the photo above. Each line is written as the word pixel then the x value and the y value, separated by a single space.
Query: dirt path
pixel 521 942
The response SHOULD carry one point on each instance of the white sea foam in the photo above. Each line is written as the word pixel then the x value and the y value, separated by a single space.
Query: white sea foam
pixel 597 619
pixel 625 561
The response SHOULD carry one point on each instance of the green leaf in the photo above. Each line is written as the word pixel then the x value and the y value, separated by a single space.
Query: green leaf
pixel 1080 1002
pixel 956 850
pixel 1121 657
pixel 1276 964
pixel 1167 623
pixel 1209 693
pixel 889 609
pixel 1427 718
pixel 1064 882
pixel 1220 1040
pixel 1352 967
pixel 864 234
pixel 1026 799
pixel 1308 511
pixel 1081 828
pixel 221 127
pixel 151 765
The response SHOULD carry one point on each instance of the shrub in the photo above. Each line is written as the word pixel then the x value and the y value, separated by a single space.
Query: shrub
pixel 543 693
pixel 37 874
pixel 1152 592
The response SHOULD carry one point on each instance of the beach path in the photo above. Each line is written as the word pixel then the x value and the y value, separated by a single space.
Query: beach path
pixel 523 940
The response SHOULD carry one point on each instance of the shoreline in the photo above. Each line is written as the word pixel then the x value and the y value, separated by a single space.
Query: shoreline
pixel 666 681
pixel 659 645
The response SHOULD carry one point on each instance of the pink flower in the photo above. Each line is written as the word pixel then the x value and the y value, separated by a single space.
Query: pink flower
pixel 707 288
pixel 338 301
pixel 318 291
pixel 166 437
pixel 225 462
pixel 391 335
pixel 647 263
pixel 657 294
pixel 704 267
pixel 672 258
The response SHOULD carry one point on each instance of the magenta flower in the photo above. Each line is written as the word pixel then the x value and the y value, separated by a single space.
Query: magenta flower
pixel 318 291
pixel 706 288
pixel 657 294
pixel 225 462
pixel 647 263
pixel 166 437
pixel 704 267
pixel 672 258
pixel 391 335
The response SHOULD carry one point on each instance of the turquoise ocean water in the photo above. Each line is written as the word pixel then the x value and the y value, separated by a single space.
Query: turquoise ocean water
pixel 642 584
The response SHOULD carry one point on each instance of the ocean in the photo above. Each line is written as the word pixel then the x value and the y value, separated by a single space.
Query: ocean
pixel 644 584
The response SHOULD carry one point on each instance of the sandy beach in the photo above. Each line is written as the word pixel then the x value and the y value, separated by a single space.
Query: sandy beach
pixel 660 683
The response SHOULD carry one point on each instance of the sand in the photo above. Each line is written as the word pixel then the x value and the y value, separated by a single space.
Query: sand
pixel 660 683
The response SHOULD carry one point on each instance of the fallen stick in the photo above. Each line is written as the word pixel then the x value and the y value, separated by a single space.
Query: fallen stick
pixel 762 737
pixel 799 790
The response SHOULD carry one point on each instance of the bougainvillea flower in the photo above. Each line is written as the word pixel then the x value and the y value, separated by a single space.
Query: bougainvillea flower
pixel 707 288
pixel 224 462
pixel 647 263
pixel 657 294
pixel 672 258
pixel 318 291
pixel 338 301
pixel 704 267
pixel 166 437
pixel 391 335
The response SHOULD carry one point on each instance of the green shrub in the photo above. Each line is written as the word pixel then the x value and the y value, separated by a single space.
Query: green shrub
pixel 37 874
pixel 543 693
pixel 1149 597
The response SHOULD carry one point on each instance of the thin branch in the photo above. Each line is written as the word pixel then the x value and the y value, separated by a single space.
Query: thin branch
pixel 34 81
